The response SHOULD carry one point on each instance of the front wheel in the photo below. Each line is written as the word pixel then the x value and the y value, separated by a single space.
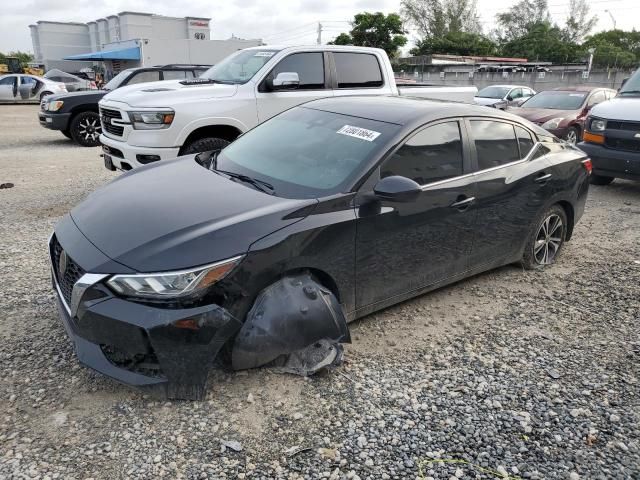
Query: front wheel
pixel 573 136
pixel 204 145
pixel 600 180
pixel 66 133
pixel 546 240
pixel 85 129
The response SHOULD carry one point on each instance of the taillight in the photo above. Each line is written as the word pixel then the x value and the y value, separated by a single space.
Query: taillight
pixel 588 166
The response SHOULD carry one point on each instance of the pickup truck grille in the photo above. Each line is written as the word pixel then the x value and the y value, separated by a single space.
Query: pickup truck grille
pixel 629 126
pixel 623 144
pixel 106 115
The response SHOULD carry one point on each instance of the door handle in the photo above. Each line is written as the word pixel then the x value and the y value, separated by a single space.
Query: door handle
pixel 463 203
pixel 542 178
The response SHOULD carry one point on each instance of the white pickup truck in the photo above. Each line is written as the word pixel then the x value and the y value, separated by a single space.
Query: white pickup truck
pixel 155 121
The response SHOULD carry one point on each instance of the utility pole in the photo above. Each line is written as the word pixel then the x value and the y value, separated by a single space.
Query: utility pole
pixel 612 19
pixel 319 33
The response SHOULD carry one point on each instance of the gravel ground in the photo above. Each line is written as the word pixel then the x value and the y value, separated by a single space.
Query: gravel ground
pixel 510 374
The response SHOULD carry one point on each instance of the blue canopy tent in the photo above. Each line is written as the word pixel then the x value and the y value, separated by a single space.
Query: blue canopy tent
pixel 130 53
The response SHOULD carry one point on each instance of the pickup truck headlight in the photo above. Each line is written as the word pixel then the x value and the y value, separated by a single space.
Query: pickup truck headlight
pixel 54 106
pixel 552 124
pixel 172 284
pixel 151 120
pixel 597 125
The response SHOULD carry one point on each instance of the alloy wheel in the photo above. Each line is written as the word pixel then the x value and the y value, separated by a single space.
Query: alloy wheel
pixel 548 240
pixel 572 137
pixel 90 129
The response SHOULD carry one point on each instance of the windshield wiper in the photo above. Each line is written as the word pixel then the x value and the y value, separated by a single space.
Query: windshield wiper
pixel 261 185
pixel 203 81
pixel 635 92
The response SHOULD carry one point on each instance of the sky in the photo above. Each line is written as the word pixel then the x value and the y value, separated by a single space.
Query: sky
pixel 276 22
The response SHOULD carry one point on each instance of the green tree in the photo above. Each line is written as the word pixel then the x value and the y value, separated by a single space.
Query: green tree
pixel 24 57
pixel 436 18
pixel 615 48
pixel 457 43
pixel 518 20
pixel 375 30
pixel 543 42
pixel 580 22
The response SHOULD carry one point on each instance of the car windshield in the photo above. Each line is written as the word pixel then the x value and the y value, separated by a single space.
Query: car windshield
pixel 307 153
pixel 239 67
pixel 556 100
pixel 117 80
pixel 632 86
pixel 493 92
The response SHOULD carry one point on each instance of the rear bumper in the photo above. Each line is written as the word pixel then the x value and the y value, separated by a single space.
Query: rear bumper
pixel 612 163
pixel 171 349
pixel 54 121
pixel 127 157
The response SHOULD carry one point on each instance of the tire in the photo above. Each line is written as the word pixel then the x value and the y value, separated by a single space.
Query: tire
pixel 573 136
pixel 204 145
pixel 600 180
pixel 66 133
pixel 546 239
pixel 85 129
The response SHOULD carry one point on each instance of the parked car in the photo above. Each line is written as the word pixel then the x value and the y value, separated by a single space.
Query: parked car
pixel 503 96
pixel 327 212
pixel 20 87
pixel 563 111
pixel 612 135
pixel 74 83
pixel 147 123
pixel 76 114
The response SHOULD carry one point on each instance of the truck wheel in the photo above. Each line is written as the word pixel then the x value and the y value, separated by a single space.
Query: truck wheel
pixel 204 145
pixel 66 133
pixel 600 180
pixel 85 129
pixel 546 239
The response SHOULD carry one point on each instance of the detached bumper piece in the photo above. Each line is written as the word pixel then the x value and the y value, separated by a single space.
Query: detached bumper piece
pixel 141 345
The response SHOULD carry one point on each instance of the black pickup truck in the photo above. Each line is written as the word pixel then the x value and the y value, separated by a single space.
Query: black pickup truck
pixel 76 114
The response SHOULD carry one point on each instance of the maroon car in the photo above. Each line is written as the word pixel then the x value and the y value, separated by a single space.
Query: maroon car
pixel 563 111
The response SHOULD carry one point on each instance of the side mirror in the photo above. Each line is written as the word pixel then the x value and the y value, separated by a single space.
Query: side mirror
pixel 286 81
pixel 509 97
pixel 397 189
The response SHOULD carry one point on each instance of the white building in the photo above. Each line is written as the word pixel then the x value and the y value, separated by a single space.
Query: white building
pixel 130 39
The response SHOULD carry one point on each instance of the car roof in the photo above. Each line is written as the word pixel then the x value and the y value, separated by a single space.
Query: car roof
pixel 507 86
pixel 403 110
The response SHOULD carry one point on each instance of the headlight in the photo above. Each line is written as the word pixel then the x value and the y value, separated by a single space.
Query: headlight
pixel 552 124
pixel 151 120
pixel 172 284
pixel 55 105
pixel 597 125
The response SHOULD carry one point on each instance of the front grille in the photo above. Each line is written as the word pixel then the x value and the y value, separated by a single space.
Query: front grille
pixel 106 114
pixel 628 145
pixel 66 279
pixel 628 126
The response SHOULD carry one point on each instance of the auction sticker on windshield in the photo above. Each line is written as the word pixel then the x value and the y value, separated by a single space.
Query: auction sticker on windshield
pixel 357 132
pixel 264 54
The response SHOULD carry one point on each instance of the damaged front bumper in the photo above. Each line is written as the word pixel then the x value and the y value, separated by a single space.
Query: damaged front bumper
pixel 171 349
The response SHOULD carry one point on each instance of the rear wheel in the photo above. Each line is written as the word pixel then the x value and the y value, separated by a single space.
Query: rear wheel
pixel 204 145
pixel 85 129
pixel 601 180
pixel 546 240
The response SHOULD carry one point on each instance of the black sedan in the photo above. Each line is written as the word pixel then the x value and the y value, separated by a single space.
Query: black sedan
pixel 260 254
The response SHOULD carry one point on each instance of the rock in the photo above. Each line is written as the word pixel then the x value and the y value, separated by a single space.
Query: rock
pixel 232 444
pixel 613 418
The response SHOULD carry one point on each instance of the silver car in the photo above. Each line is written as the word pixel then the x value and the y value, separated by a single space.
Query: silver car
pixel 503 96
pixel 18 87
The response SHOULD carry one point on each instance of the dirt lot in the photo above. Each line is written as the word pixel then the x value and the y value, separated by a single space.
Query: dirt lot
pixel 511 374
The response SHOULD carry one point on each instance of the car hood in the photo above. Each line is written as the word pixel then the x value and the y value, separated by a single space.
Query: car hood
pixel 486 101
pixel 168 92
pixel 176 214
pixel 541 115
pixel 88 94
pixel 620 108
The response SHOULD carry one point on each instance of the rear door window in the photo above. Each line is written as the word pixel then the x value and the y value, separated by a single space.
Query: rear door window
pixel 357 70
pixel 525 141
pixel 174 74
pixel 495 142
pixel 431 155
pixel 308 66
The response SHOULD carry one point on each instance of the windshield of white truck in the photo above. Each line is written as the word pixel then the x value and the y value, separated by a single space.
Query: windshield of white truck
pixel 239 67
pixel 632 86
